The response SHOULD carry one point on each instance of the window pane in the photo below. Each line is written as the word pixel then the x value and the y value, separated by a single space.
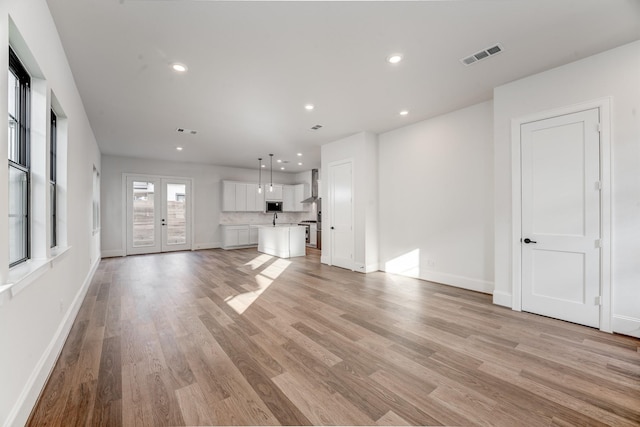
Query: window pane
pixel 18 225
pixel 176 212
pixel 13 92
pixel 13 140
pixel 143 214
pixel 52 207
pixel 53 148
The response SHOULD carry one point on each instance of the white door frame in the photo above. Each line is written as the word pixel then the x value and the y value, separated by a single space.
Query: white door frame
pixel 604 107
pixel 125 177
pixel 353 204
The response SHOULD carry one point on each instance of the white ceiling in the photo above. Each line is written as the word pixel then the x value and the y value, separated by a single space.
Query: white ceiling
pixel 252 66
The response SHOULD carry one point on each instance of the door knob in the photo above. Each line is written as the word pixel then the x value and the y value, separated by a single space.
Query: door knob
pixel 333 228
pixel 528 240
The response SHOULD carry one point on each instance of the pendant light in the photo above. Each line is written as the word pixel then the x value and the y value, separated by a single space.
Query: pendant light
pixel 260 175
pixel 271 163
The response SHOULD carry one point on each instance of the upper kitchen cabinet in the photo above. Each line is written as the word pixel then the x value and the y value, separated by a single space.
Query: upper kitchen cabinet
pixel 241 197
pixel 292 197
pixel 275 195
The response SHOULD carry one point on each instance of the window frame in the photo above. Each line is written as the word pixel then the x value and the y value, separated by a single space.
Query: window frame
pixel 53 177
pixel 23 127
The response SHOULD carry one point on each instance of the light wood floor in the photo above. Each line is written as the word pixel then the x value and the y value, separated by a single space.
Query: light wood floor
pixel 236 337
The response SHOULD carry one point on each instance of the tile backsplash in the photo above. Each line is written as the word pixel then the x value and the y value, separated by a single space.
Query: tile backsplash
pixel 231 218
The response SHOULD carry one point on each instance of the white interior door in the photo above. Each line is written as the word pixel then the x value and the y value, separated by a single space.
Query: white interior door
pixel 341 215
pixel 561 217
pixel 158 214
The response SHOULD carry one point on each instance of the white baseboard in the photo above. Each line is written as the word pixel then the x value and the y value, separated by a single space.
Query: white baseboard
pixel 361 268
pixel 371 268
pixel 458 281
pixel 626 325
pixel 113 253
pixel 324 259
pixel 38 378
pixel 502 298
pixel 208 245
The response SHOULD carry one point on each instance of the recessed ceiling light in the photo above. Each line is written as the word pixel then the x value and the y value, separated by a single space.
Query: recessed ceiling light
pixel 309 107
pixel 181 68
pixel 282 168
pixel 179 148
pixel 394 59
pixel 404 112
pixel 264 166
pixel 279 160
pixel 299 163
pixel 299 154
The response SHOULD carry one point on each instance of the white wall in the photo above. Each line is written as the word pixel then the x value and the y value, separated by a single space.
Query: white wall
pixel 436 199
pixel 362 150
pixel 34 322
pixel 615 74
pixel 207 196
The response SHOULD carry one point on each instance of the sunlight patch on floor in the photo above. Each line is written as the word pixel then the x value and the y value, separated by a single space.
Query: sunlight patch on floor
pixel 259 261
pixel 276 269
pixel 241 302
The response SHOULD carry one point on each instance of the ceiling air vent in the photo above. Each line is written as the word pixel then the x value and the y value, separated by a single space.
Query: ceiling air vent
pixel 483 54
pixel 189 131
pixel 316 127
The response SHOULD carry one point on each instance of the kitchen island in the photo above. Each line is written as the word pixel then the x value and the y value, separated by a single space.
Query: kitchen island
pixel 283 241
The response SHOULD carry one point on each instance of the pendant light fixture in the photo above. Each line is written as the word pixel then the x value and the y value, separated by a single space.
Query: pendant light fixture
pixel 271 164
pixel 260 175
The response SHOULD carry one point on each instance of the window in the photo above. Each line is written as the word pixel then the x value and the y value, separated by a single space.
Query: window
pixel 19 172
pixel 53 191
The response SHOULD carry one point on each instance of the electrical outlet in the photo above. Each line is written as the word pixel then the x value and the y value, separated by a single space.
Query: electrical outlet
pixel 431 263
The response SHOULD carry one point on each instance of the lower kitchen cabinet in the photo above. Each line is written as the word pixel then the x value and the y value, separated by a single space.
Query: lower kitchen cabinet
pixel 239 236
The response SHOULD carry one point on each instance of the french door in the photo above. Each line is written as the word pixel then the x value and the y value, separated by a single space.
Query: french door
pixel 158 214
pixel 561 217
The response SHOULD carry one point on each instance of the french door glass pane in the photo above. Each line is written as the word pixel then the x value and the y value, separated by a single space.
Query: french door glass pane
pixel 176 214
pixel 143 214
pixel 18 221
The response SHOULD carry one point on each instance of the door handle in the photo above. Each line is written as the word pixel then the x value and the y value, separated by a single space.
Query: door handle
pixel 333 228
pixel 528 240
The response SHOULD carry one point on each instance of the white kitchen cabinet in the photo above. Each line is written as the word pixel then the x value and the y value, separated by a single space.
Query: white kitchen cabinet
pixel 241 197
pixel 228 196
pixel 292 197
pixel 243 236
pixel 300 194
pixel 288 198
pixel 237 236
pixel 255 200
pixel 253 234
pixel 282 241
pixel 275 195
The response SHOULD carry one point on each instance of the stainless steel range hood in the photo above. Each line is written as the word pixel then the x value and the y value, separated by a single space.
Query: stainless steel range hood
pixel 314 187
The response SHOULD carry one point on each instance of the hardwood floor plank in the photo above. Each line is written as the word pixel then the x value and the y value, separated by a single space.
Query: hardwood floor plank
pixel 218 337
pixel 320 407
pixel 136 399
pixel 392 419
pixel 194 406
pixel 275 400
pixel 164 405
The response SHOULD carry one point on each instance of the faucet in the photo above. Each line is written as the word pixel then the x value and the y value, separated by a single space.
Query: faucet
pixel 275 215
